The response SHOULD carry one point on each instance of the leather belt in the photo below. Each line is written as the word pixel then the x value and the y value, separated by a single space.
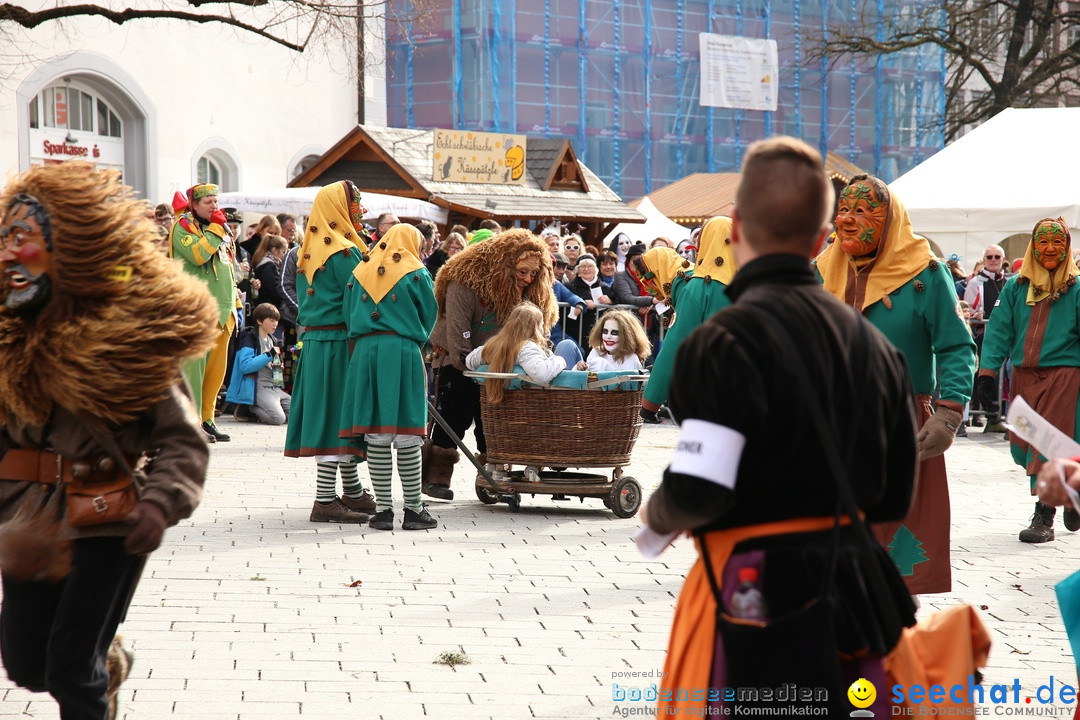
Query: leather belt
pixel 45 466
pixel 339 326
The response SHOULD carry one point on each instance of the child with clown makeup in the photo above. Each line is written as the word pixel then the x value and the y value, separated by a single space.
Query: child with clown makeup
pixel 618 342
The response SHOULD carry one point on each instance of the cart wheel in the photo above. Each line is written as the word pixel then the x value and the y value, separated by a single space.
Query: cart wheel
pixel 486 496
pixel 513 500
pixel 625 498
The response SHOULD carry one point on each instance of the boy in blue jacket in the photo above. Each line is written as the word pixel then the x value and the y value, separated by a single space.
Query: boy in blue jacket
pixel 257 379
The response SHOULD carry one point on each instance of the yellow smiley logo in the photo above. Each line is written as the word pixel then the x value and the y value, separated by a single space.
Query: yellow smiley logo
pixel 862 693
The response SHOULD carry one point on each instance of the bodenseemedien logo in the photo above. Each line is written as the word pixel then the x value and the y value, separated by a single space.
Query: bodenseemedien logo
pixel 862 694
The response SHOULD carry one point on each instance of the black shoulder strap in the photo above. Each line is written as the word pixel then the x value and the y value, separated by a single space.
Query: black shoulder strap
pixel 837 465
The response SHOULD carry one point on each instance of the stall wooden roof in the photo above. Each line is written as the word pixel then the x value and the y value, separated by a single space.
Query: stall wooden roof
pixel 698 197
pixel 398 161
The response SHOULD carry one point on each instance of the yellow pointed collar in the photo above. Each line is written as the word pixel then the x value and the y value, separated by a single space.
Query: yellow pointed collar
pixel 395 255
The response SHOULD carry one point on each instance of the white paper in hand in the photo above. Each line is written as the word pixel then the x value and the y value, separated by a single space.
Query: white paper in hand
pixel 651 543
pixel 1034 429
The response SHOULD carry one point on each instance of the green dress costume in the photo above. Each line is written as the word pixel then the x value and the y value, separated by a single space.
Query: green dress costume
pixel 695 296
pixel 1043 336
pixel 910 297
pixel 386 386
pixel 318 390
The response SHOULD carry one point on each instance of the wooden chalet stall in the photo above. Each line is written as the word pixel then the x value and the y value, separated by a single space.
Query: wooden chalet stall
pixel 512 179
pixel 698 197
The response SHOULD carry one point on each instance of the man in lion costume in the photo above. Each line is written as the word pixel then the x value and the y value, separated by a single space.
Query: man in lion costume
pixel 100 447
pixel 476 290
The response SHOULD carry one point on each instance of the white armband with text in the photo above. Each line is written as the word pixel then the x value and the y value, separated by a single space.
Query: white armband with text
pixel 708 451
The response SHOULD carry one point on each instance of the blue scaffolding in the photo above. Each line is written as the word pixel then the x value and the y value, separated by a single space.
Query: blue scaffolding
pixel 621 81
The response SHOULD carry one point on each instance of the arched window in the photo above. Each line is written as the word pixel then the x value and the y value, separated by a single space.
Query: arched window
pixel 303 165
pixel 208 171
pixel 214 161
pixel 69 106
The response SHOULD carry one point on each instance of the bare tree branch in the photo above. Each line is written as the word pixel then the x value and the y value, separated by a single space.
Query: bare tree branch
pixel 998 54
pixel 293 24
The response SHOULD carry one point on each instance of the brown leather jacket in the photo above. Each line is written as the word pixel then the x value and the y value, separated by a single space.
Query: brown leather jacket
pixel 168 432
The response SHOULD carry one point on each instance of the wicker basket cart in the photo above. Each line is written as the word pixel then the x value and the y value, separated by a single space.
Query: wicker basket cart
pixel 549 430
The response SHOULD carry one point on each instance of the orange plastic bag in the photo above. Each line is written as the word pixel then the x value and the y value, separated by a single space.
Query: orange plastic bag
pixel 942 649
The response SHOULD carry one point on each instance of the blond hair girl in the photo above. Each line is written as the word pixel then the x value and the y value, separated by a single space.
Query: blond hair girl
pixel 522 341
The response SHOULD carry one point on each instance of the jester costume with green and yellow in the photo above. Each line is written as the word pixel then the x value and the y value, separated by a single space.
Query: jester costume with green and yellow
pixel 907 294
pixel 695 296
pixel 324 266
pixel 1036 324
pixel 204 251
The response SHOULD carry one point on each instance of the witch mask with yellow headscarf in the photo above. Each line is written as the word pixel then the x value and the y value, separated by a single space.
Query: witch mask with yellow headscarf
pixel 656 269
pixel 395 255
pixel 1048 262
pixel 874 240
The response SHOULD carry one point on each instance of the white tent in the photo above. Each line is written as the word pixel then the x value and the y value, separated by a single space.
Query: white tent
pixel 298 201
pixel 656 225
pixel 996 181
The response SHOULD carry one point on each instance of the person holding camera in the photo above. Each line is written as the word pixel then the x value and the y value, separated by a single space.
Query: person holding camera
pixel 257 385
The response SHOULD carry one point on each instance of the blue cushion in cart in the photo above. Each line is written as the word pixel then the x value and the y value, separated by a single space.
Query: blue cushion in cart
pixel 572 379
pixel 619 373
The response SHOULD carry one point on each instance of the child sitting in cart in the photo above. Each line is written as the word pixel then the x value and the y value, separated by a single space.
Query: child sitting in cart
pixel 618 343
pixel 523 342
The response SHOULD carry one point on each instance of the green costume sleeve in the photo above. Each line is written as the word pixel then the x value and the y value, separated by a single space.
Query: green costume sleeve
pixel 954 349
pixel 429 307
pixel 194 247
pixel 1001 330
pixel 689 314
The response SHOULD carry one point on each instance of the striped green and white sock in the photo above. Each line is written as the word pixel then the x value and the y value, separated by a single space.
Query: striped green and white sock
pixel 350 480
pixel 408 467
pixel 381 467
pixel 326 481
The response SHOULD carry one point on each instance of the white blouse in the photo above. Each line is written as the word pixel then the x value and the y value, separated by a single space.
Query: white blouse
pixel 539 364
pixel 603 362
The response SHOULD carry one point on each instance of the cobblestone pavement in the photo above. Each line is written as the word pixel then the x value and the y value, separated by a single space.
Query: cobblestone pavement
pixel 250 611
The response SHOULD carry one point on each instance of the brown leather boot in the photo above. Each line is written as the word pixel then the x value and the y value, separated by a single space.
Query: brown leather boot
pixel 440 471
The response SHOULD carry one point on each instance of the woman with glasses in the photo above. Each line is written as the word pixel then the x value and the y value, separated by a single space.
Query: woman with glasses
pixel 452 245
pixel 573 248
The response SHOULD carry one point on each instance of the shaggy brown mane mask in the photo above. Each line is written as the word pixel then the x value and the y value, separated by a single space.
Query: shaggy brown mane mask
pixel 120 316
pixel 487 268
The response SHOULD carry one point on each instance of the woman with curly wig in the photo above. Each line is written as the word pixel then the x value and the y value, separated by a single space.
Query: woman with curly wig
pixel 476 290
